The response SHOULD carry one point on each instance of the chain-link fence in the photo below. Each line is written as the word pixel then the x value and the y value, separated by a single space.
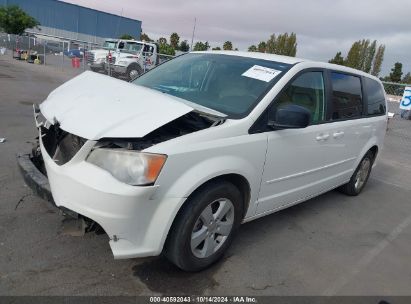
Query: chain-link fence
pixel 395 89
pixel 55 51
pixel 46 50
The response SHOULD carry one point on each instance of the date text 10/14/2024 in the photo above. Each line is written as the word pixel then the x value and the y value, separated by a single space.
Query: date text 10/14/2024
pixel 203 299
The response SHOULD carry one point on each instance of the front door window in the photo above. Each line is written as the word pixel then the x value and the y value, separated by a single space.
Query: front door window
pixel 307 90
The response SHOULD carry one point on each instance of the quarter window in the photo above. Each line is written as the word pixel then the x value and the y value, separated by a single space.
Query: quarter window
pixel 375 97
pixel 346 96
pixel 307 90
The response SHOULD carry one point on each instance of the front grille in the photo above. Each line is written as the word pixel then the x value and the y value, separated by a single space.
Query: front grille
pixel 112 61
pixel 90 57
pixel 61 145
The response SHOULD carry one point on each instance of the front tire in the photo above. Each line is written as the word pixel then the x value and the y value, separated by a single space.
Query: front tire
pixel 133 71
pixel 205 226
pixel 359 177
pixel 97 70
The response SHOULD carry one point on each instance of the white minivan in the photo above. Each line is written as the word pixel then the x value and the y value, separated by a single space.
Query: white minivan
pixel 176 160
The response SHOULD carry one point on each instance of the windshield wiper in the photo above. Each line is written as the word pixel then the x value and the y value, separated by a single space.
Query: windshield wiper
pixel 163 89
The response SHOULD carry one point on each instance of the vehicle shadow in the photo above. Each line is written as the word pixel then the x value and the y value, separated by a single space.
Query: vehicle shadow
pixel 159 275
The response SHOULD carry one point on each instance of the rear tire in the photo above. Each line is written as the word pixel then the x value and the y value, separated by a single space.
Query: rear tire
pixel 205 226
pixel 359 177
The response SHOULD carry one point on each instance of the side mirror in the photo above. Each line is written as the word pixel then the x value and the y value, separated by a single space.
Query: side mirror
pixel 290 117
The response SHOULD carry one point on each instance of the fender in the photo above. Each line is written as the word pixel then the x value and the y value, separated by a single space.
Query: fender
pixel 378 134
pixel 373 141
pixel 188 182
pixel 191 179
pixel 135 64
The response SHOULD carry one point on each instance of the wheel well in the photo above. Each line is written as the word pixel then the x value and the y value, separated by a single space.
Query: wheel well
pixel 135 65
pixel 374 150
pixel 237 180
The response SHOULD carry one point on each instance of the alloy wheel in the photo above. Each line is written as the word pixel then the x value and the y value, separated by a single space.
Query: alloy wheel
pixel 362 173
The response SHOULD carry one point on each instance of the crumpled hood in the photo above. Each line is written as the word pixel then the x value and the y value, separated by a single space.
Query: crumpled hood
pixel 94 106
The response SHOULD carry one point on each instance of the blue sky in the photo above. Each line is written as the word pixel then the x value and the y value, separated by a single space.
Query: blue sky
pixel 323 27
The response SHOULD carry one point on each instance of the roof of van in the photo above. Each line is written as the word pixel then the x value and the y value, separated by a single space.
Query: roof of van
pixel 290 60
pixel 271 57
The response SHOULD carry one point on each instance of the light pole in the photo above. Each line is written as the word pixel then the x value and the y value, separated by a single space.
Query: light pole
pixel 192 37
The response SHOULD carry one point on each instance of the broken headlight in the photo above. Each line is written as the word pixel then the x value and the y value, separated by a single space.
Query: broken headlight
pixel 130 167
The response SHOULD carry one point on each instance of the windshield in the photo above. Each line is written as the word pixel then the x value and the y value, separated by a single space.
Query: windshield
pixel 110 45
pixel 130 47
pixel 232 85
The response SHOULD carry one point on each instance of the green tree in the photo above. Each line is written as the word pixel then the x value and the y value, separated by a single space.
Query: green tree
pixel 364 45
pixel 252 48
pixel 379 57
pixel 338 59
pixel 370 54
pixel 396 72
pixel 291 45
pixel 167 49
pixel 217 48
pixel 200 46
pixel 162 40
pixel 174 40
pixel 144 37
pixel 353 57
pixel 271 46
pixel 184 46
pixel 283 44
pixel 227 46
pixel 13 20
pixel 364 55
pixel 407 78
pixel 126 37
pixel 262 46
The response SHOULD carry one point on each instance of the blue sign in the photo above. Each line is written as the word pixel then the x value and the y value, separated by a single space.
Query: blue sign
pixel 406 99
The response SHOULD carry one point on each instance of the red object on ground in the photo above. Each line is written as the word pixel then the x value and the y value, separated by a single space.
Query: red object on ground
pixel 75 62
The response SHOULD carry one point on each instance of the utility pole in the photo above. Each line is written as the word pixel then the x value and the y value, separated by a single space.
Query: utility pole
pixel 192 37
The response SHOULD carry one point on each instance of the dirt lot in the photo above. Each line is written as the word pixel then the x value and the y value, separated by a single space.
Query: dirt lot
pixel 330 245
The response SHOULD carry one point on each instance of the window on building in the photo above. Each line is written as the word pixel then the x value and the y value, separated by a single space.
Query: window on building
pixel 346 96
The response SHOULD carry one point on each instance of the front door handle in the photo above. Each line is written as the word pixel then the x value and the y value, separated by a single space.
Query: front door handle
pixel 338 134
pixel 322 136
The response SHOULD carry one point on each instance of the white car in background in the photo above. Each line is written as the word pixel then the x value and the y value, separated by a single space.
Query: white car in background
pixel 175 161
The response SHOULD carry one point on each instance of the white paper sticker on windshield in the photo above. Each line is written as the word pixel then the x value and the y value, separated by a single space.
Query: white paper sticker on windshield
pixel 261 73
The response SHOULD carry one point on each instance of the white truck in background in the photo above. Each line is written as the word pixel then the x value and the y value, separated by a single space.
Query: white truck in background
pixel 131 59
pixel 96 58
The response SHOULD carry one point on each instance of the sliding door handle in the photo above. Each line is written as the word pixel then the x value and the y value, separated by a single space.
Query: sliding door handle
pixel 338 134
pixel 322 136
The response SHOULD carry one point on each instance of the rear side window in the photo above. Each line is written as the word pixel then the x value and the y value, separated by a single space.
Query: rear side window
pixel 346 96
pixel 375 97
